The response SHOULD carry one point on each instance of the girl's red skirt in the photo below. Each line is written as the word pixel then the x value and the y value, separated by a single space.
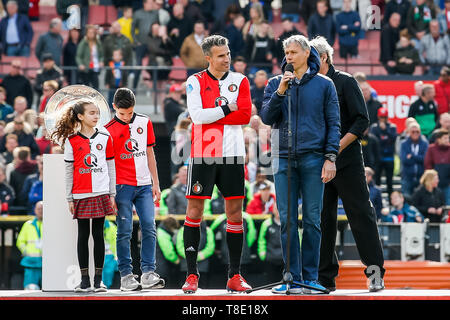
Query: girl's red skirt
pixel 93 207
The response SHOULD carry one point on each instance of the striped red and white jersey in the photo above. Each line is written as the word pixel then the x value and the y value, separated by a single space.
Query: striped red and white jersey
pixel 217 133
pixel 89 156
pixel 130 149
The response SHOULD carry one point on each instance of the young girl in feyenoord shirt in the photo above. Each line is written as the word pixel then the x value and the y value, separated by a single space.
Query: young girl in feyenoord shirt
pixel 90 183
pixel 138 185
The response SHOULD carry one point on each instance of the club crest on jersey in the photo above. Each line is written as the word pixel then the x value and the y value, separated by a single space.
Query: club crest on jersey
pixel 99 147
pixel 197 188
pixel 221 101
pixel 140 130
pixel 232 87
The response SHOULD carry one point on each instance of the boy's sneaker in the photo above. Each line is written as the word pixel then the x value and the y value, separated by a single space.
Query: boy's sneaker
pixel 316 285
pixel 129 283
pixel 99 286
pixel 151 280
pixel 84 286
pixel 191 284
pixel 281 289
pixel 375 286
pixel 237 284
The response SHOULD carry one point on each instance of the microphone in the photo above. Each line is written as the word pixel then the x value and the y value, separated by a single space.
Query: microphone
pixel 289 67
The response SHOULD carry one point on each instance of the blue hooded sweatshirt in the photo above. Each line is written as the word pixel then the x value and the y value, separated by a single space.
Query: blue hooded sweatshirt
pixel 315 113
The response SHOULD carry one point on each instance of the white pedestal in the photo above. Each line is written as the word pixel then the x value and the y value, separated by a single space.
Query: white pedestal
pixel 60 269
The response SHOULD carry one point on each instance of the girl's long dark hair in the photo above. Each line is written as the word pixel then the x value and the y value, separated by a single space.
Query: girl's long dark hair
pixel 69 122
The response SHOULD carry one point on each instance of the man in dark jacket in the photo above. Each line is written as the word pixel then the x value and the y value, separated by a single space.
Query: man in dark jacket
pixel 49 71
pixel 370 149
pixel 7 194
pixel 349 183
pixel 179 26
pixel 257 89
pixel 373 105
pixel 176 200
pixel 390 34
pixel 173 106
pixel 24 138
pixel 25 167
pixel 374 192
pixel 315 144
pixel 17 84
pixel 116 40
pixel 322 23
pixel 289 29
pixel 233 32
pixel 15 37
pixel 386 132
pixel 398 6
pixel 51 42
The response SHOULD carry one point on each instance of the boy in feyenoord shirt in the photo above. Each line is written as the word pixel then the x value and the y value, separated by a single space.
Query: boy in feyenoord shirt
pixel 219 104
pixel 138 184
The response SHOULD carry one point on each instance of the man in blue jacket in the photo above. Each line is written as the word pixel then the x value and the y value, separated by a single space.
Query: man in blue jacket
pixel 16 32
pixel 315 144
pixel 348 25
pixel 412 157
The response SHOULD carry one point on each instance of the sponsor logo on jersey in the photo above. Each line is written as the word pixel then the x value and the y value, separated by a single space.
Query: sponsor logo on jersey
pixel 132 146
pixel 90 161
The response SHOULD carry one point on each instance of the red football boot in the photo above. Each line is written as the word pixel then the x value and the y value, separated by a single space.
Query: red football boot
pixel 237 284
pixel 191 284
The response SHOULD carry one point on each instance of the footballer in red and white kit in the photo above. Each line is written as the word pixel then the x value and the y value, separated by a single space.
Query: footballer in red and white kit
pixel 219 103
pixel 217 143
pixel 89 156
pixel 130 143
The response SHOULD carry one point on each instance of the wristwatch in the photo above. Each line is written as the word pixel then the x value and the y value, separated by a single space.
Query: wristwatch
pixel 331 157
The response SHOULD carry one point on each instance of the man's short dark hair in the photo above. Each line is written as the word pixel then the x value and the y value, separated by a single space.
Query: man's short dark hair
pixel 23 153
pixel 124 98
pixel 213 41
pixel 239 59
pixel 445 70
pixel 440 133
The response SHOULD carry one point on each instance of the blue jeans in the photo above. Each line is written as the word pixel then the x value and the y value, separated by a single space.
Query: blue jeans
pixel 142 198
pixel 294 17
pixel 306 182
pixel 18 51
pixel 446 192
pixel 408 185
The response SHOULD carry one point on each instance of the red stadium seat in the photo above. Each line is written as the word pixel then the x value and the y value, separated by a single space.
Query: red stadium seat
pixel 178 74
pixel 101 15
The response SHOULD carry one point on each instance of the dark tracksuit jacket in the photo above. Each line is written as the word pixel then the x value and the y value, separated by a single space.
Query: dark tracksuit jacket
pixel 350 185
